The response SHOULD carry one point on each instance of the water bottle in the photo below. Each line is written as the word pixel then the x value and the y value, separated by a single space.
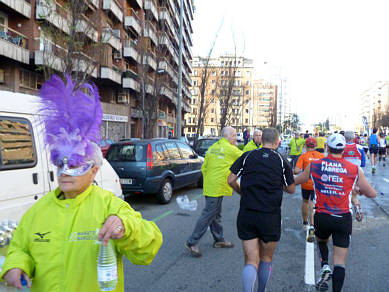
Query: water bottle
pixel 107 267
pixel 184 203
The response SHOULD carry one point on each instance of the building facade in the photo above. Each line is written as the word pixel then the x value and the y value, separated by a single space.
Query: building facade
pixel 374 103
pixel 138 43
pixel 228 87
pixel 264 104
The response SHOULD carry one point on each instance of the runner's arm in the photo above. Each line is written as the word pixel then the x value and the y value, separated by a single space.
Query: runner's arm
pixel 233 182
pixel 297 170
pixel 365 188
pixel 303 177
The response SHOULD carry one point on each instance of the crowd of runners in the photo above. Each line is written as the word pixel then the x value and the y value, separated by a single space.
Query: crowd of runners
pixel 329 169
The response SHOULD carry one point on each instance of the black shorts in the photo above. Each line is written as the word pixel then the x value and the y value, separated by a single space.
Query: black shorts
pixel 307 194
pixel 382 151
pixel 339 227
pixel 321 150
pixel 366 149
pixel 256 224
pixel 373 149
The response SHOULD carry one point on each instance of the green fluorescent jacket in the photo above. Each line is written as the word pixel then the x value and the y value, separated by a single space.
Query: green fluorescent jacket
pixel 251 146
pixel 56 240
pixel 216 168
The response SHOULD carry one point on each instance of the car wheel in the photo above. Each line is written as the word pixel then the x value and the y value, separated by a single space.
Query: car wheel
pixel 166 192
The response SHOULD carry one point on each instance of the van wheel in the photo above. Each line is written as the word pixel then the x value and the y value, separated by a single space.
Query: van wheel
pixel 165 193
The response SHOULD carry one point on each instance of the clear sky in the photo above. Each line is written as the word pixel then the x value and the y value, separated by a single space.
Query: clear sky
pixel 329 50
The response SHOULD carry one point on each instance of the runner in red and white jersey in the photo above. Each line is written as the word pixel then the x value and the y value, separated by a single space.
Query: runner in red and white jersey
pixel 334 179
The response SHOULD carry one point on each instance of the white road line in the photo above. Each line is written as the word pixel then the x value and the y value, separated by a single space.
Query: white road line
pixel 385 179
pixel 309 262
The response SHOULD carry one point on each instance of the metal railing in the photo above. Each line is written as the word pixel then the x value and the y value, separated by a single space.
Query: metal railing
pixel 13 36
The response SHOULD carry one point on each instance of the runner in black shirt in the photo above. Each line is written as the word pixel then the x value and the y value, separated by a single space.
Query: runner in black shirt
pixel 264 175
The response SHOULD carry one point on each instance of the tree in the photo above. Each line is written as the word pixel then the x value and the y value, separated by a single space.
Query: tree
pixel 69 42
pixel 292 122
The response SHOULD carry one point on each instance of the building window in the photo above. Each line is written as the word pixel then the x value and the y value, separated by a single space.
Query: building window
pixel 3 22
pixel 212 120
pixel 247 121
pixel 247 92
pixel 247 110
pixel 195 111
pixel 212 110
pixel 213 82
pixel 195 73
pixel 213 92
pixel 213 73
pixel 247 73
pixel 194 82
pixel 247 83
pixel 212 100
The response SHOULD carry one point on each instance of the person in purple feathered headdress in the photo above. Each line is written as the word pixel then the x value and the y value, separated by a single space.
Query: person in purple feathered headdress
pixel 55 242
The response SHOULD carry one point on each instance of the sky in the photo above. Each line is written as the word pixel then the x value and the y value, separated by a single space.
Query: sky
pixel 329 51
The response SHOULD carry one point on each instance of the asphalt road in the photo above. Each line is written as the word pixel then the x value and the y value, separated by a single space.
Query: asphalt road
pixel 220 269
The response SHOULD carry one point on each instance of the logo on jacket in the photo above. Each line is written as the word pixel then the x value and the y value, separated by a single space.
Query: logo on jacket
pixel 41 237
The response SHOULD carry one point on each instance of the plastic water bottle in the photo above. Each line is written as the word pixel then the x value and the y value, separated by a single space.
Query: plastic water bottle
pixel 184 203
pixel 107 274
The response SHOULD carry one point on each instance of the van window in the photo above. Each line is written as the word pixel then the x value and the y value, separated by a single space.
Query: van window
pixel 186 151
pixel 127 152
pixel 17 149
pixel 173 150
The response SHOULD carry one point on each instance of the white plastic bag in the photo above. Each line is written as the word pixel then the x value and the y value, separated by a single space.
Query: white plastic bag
pixel 184 203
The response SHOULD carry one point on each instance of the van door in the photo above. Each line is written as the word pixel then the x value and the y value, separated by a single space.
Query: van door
pixel 21 166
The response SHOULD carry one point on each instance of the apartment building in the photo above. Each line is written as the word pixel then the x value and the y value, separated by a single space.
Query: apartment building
pixel 374 103
pixel 222 72
pixel 138 44
pixel 264 104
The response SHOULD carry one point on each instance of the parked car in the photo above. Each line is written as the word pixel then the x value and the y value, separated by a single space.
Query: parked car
pixel 104 145
pixel 182 139
pixel 155 166
pixel 202 145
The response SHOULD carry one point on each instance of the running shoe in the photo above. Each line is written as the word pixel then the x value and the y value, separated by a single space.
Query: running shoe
pixel 311 234
pixel 305 226
pixel 373 170
pixel 325 276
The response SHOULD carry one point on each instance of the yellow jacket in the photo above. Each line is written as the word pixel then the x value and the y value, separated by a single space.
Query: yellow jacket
pixel 56 240
pixel 251 146
pixel 216 168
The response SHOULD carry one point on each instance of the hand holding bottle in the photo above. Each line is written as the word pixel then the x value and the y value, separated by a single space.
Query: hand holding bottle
pixel 14 276
pixel 113 228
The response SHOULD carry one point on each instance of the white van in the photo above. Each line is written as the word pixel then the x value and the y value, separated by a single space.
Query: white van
pixel 26 172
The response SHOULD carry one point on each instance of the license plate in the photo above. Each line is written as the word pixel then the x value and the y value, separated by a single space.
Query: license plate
pixel 126 181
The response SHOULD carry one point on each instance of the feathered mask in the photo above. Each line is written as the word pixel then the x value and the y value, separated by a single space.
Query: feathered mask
pixel 72 118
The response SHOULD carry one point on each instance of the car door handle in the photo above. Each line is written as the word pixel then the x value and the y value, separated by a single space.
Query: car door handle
pixel 35 178
pixel 51 175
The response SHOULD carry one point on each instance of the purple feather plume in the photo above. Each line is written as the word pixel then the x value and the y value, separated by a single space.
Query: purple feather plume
pixel 72 119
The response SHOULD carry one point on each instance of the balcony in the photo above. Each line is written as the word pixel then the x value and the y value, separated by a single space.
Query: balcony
pixel 84 26
pixel 164 65
pixel 150 32
pixel 21 6
pixel 138 3
pixel 112 37
pixel 49 59
pixel 150 5
pixel 164 40
pixel 84 63
pixel 164 15
pixel 111 74
pixel 54 14
pixel 130 51
pixel 149 59
pixel 167 92
pixel 95 3
pixel 131 83
pixel 14 45
pixel 114 8
pixel 131 21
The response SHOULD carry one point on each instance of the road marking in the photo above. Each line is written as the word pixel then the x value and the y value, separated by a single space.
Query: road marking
pixel 309 263
pixel 385 179
pixel 162 216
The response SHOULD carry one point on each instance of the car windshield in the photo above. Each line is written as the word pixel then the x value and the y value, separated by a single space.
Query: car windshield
pixel 205 144
pixel 130 152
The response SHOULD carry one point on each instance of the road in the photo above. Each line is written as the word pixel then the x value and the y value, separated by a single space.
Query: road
pixel 220 269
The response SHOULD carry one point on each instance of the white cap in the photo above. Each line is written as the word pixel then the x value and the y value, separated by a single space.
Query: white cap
pixel 336 141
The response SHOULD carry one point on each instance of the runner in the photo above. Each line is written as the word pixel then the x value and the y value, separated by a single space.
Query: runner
pixel 387 144
pixel 373 149
pixel 320 142
pixel 295 146
pixel 355 154
pixel 364 142
pixel 307 188
pixel 382 150
pixel 333 179
pixel 264 175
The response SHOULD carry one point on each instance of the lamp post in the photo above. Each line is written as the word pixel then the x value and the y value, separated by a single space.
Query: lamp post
pixel 179 89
